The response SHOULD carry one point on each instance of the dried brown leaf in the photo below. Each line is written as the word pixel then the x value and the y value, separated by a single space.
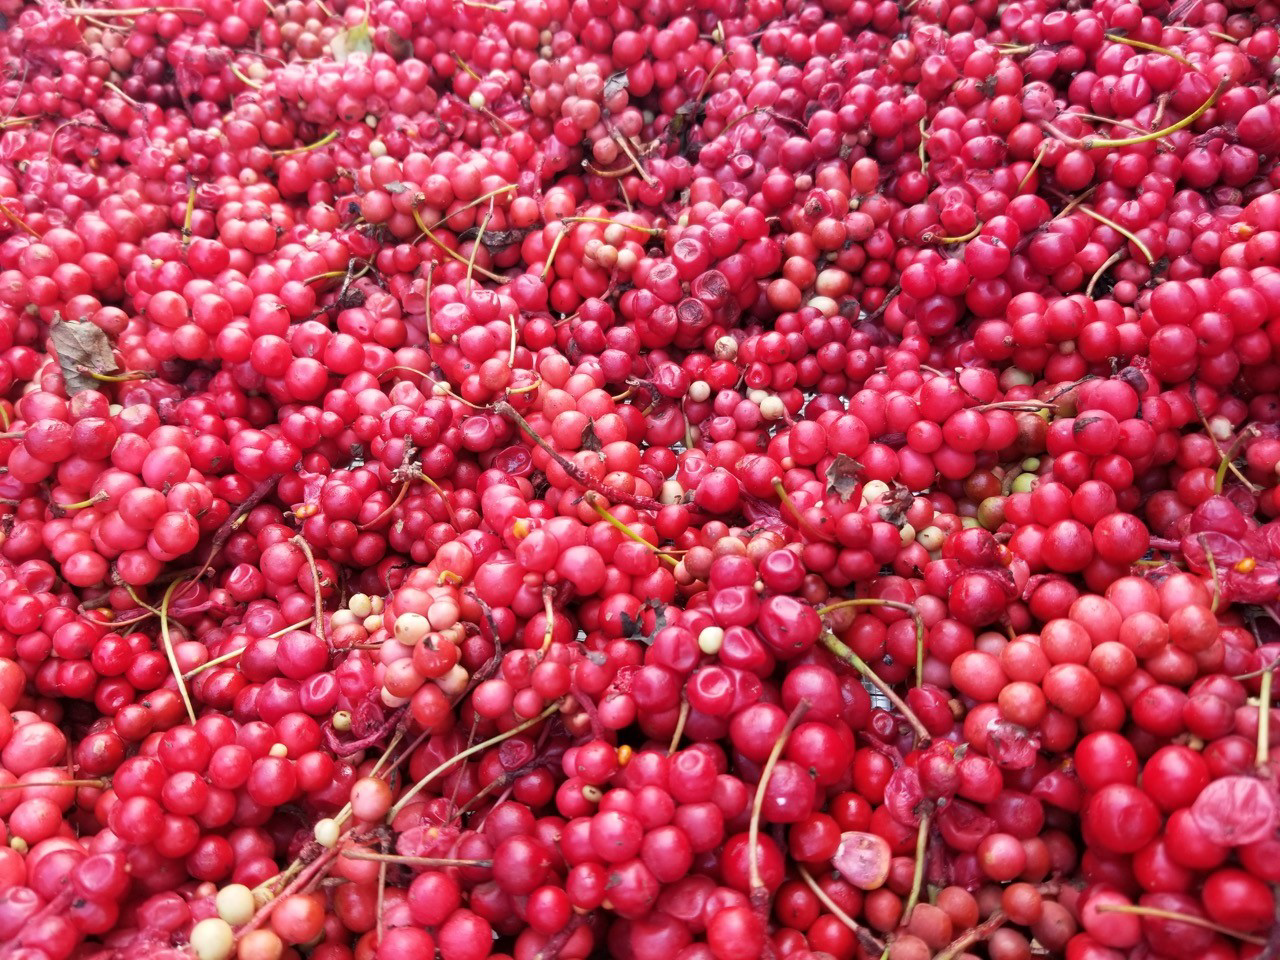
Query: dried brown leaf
pixel 842 476
pixel 83 349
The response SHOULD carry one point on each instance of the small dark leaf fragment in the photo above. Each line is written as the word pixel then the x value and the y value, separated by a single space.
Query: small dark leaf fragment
pixel 590 440
pixel 894 505
pixel 842 476
pixel 494 239
pixel 615 84
pixel 631 627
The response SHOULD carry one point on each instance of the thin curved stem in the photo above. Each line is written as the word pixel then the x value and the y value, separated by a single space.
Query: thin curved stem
pixel 681 720
pixel 188 214
pixel 627 531
pixel 477 243
pixel 1263 753
pixel 1226 460
pixel 315 586
pixel 324 141
pixel 1113 121
pixel 474 203
pixel 449 251
pixel 77 784
pixel 973 935
pixel 97 498
pixel 448 507
pixel 440 384
pixel 503 408
pixel 964 238
pixel 215 662
pixel 1075 202
pixel 404 489
pixel 413 861
pixel 864 936
pixel 551 254
pixel 1104 143
pixel 1188 918
pixel 109 12
pixel 801 522
pixel 235 654
pixel 916 618
pixel 470 752
pixel 17 221
pixel 624 143
pixel 167 641
pixel 758 893
pixel 1127 234
pixel 843 652
pixel 1142 45
pixel 1110 262
pixel 297 876
pixel 1035 165
pixel 549 614
pixel 1213 574
pixel 616 223
pixel 917 878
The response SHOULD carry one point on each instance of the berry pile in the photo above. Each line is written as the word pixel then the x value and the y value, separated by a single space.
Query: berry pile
pixel 733 480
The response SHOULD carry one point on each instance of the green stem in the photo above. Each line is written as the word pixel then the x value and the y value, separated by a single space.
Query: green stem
pixel 474 203
pixel 892 604
pixel 1102 143
pixel 627 531
pixel 1226 461
pixel 869 943
pixel 324 141
pixel 449 251
pixel 82 504
pixel 1035 165
pixel 917 878
pixel 172 657
pixel 1127 234
pixel 801 522
pixel 413 861
pixel 973 935
pixel 842 651
pixel 759 895
pixel 1264 720
pixel 22 785
pixel 615 223
pixel 1188 918
pixel 470 752
pixel 961 239
pixel 1142 45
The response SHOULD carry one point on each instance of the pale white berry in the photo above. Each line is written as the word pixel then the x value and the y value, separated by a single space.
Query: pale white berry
pixel 213 939
pixel 235 903
pixel 931 538
pixel 772 408
pixel 710 640
pixel 326 832
pixel 824 305
pixel 455 681
pixel 360 605
pixel 874 490
pixel 411 627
